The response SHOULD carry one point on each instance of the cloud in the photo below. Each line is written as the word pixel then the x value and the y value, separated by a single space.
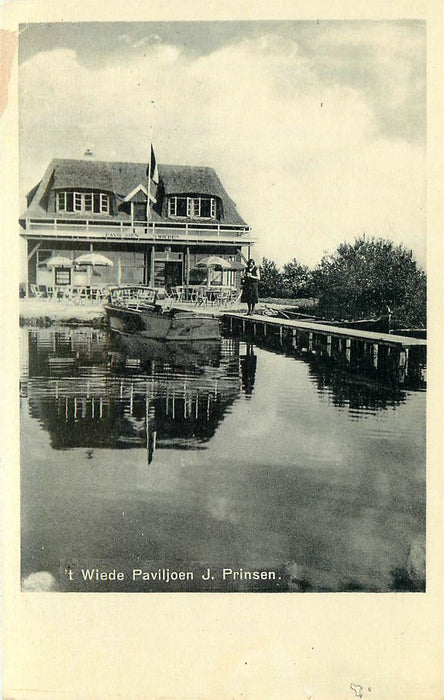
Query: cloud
pixel 144 42
pixel 386 61
pixel 300 149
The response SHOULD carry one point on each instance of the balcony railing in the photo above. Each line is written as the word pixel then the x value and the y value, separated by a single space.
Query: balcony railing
pixel 137 230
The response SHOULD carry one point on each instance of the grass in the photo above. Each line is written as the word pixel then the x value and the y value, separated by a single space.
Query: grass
pixel 299 304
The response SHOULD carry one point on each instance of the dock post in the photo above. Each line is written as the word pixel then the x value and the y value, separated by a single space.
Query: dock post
pixel 243 325
pixel 265 329
pixel 231 324
pixel 329 345
pixel 348 349
pixel 375 350
pixel 254 328
pixel 403 364
pixel 293 339
pixel 280 334
pixel 310 341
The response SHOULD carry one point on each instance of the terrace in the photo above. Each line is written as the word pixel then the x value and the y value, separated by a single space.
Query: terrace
pixel 151 232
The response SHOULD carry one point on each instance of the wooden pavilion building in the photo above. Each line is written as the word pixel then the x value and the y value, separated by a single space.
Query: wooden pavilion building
pixel 153 229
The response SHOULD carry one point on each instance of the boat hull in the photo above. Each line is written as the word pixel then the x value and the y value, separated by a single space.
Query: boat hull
pixel 174 325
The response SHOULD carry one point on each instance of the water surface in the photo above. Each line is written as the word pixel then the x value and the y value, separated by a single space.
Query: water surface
pixel 173 459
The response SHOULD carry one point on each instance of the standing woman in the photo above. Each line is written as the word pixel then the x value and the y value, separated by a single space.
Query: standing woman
pixel 250 294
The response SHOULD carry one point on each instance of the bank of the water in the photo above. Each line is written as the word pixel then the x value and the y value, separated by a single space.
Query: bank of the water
pixel 45 312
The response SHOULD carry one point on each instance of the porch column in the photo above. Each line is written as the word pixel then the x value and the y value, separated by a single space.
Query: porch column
pixel 187 266
pixel 31 267
pixel 119 269
pixel 153 250
pixel 348 349
pixel 146 262
pixel 329 345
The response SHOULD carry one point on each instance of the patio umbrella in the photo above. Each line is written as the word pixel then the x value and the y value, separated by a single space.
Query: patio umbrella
pixel 57 261
pixel 94 259
pixel 214 261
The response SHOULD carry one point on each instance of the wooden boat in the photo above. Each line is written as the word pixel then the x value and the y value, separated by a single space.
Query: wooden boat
pixel 382 323
pixel 137 310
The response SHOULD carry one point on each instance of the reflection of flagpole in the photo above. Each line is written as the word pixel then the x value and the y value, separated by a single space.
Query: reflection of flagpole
pixel 150 443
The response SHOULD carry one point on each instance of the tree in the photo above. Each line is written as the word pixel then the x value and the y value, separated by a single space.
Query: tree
pixel 270 284
pixel 362 279
pixel 296 279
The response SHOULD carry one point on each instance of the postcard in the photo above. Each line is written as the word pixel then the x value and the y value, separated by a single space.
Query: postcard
pixel 221 239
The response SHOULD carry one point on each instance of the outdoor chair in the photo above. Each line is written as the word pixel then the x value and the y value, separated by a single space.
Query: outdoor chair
pixel 222 298
pixel 201 297
pixel 234 297
pixel 192 293
pixel 178 293
pixel 102 294
pixel 66 293
pixel 98 294
pixel 36 291
pixel 81 296
pixel 51 292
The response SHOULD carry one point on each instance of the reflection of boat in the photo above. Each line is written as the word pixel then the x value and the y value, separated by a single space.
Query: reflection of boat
pixel 137 352
pixel 135 310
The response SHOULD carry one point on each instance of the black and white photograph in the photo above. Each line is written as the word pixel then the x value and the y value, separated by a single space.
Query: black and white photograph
pixel 223 306
pixel 220 356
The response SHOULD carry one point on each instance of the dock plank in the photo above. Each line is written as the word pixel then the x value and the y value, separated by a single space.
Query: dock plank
pixel 326 329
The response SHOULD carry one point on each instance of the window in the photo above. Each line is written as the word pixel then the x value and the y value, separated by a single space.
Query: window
pixel 139 211
pixel 62 276
pixel 172 206
pixel 192 207
pixel 88 201
pixel 77 201
pixel 93 202
pixel 61 201
pixel 104 203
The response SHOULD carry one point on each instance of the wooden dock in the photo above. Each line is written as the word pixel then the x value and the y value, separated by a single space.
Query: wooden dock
pixel 371 349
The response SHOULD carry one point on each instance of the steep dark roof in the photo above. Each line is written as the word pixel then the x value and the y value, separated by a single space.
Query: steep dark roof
pixel 90 174
pixel 122 178
pixel 182 179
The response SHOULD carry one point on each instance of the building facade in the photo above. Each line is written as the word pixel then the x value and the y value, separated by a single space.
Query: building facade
pixel 153 229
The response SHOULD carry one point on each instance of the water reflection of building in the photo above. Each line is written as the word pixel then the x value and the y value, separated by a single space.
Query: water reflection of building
pixel 54 351
pixel 118 396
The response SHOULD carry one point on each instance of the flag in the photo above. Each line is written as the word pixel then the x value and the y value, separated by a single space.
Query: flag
pixel 154 173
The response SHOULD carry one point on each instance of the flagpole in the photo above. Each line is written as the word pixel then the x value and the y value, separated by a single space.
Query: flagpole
pixel 149 176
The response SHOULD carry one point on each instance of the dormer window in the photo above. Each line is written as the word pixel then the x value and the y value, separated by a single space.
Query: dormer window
pixel 84 202
pixel 192 207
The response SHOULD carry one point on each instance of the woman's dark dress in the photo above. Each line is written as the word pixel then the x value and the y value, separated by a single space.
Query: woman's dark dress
pixel 250 294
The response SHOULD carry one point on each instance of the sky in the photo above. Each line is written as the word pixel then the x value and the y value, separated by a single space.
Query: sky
pixel 316 129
